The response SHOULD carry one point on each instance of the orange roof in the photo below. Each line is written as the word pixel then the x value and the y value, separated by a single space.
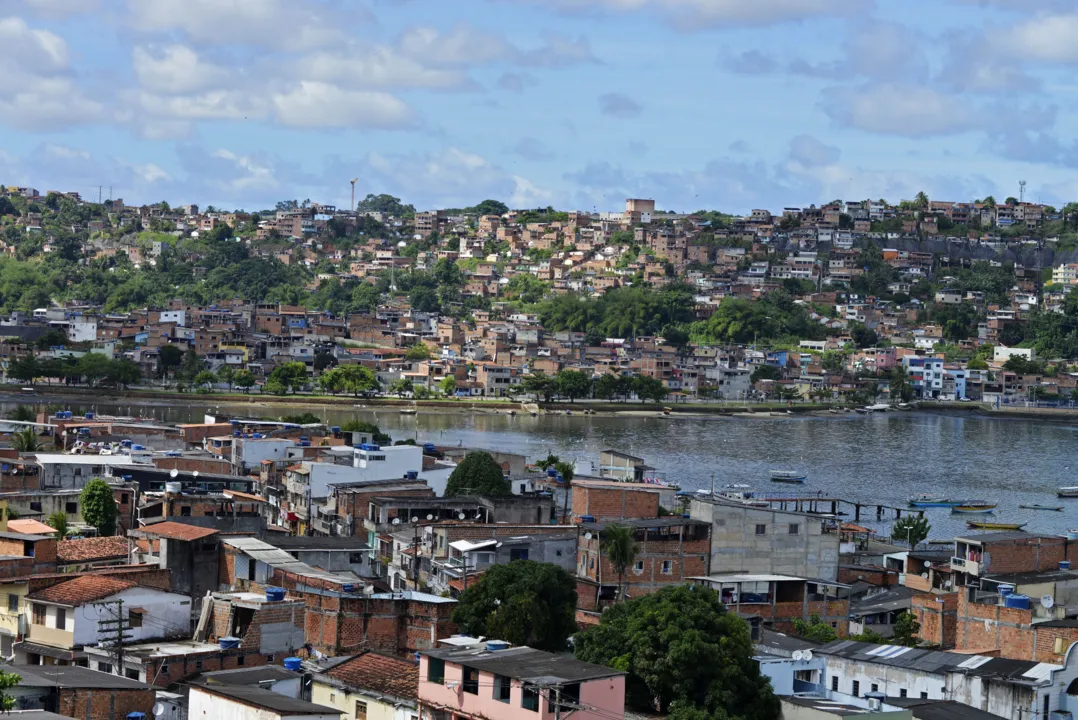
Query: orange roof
pixel 86 589
pixel 380 673
pixel 29 526
pixel 178 531
pixel 244 496
pixel 98 548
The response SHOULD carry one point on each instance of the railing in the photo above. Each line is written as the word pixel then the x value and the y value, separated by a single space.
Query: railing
pixel 958 562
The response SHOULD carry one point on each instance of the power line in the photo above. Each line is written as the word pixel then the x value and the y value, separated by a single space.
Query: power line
pixel 117 627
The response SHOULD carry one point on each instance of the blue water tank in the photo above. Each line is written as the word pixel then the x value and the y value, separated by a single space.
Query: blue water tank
pixel 587 518
pixel 1005 590
pixel 294 664
pixel 411 475
pixel 274 594
pixel 428 447
pixel 229 643
pixel 236 433
pixel 551 471
pixel 257 436
pixel 136 716
pixel 495 645
pixel 336 429
pixel 89 416
pixel 1019 602
pixel 1064 564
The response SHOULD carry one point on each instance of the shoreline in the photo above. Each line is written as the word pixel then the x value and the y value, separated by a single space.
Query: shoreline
pixel 45 395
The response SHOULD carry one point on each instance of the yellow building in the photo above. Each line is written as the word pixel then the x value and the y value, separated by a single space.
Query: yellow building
pixel 370 686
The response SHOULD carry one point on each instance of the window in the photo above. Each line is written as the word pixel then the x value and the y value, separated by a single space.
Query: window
pixel 198 664
pixel 105 667
pixel 355 558
pixel 761 529
pixel 123 498
pixel 856 689
pixel 518 554
pixel 924 696
pixel 667 567
pixel 252 565
pixel 471 680
pixel 12 602
pixel 502 687
pixel 241 660
pixel 71 508
pixel 134 619
pixel 61 618
pixel 435 670
pixel 185 511
pixel 795 529
pixel 35 506
pixel 131 674
pixel 529 700
pixel 39 614
pixel 902 693
pixel 361 710
pixel 875 687
pixel 834 683
pixel 639 566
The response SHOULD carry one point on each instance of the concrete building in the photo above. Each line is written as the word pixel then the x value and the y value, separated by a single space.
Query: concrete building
pixel 241 702
pixel 746 539
pixel 492 680
pixel 371 686
pixel 78 692
pixel 779 600
pixel 188 552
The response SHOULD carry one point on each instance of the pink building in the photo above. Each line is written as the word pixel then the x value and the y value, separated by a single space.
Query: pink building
pixel 494 680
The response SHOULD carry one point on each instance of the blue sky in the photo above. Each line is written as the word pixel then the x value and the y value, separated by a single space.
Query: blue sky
pixel 718 104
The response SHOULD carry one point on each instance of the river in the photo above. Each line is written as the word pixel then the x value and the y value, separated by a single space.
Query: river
pixel 881 458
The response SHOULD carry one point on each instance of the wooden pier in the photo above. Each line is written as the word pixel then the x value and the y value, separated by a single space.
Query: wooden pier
pixel 834 506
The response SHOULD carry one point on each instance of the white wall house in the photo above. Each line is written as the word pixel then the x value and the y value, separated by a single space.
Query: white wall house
pixel 240 702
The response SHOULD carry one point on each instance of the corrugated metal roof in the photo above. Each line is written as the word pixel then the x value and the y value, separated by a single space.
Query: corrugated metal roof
pixel 279 559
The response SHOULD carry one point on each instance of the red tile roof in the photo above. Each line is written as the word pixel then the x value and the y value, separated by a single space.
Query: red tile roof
pixel 381 673
pixel 98 548
pixel 178 531
pixel 86 589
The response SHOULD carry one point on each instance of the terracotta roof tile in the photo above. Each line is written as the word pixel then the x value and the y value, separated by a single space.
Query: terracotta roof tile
pixel 178 531
pixel 98 548
pixel 86 589
pixel 381 673
pixel 29 526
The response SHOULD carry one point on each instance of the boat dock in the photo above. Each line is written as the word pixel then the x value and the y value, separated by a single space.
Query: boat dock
pixel 835 506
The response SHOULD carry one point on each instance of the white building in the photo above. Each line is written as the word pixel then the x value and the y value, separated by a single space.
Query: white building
pixel 244 702
pixel 82 329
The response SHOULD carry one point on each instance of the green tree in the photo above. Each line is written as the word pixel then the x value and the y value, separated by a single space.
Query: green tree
pixel 58 522
pixel 540 384
pixel 227 374
pixel 123 372
pixel 290 376
pixel 244 379
pixel 906 630
pixel 24 369
pixel 900 384
pixel 22 413
pixel 491 207
pixel 649 388
pixel 169 358
pixel 323 360
pixel 522 602
pixel 566 471
pixel 608 387
pixel 913 529
pixel 765 372
pixel 833 361
pixel 402 387
pixel 573 384
pixel 815 630
pixel 205 379
pixel 418 352
pixel 681 647
pixel 25 440
pixel 620 548
pixel 192 365
pixel 8 681
pixel 99 506
pixel 94 367
pixel 362 426
pixel 448 385
pixel 478 474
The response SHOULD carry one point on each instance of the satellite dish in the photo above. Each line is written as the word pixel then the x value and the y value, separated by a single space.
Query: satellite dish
pixel 158 709
pixel 587 536
pixel 928 565
pixel 798 655
pixel 415 519
pixel 460 516
pixel 396 521
pixel 195 474
pixel 1047 601
pixel 806 655
pixel 174 473
pixel 430 517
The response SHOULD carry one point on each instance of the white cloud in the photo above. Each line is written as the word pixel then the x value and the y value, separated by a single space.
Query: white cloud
pixel 33 49
pixel 690 15
pixel 55 9
pixel 377 67
pixel 461 45
pixel 810 152
pixel 620 106
pixel 894 109
pixel 209 105
pixel 316 104
pixel 1045 38
pixel 450 177
pixel 175 69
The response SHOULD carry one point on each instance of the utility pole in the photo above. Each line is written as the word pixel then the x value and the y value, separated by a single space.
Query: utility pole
pixel 116 628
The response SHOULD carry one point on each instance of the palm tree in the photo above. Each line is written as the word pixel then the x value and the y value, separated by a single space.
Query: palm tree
pixel 22 413
pixel 566 471
pixel 620 548
pixel 921 200
pixel 25 441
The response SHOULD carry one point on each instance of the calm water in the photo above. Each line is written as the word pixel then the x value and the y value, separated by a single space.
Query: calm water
pixel 877 458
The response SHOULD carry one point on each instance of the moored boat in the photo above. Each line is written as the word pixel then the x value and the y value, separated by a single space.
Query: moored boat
pixel 788 476
pixel 985 525
pixel 1037 506
pixel 408 411
pixel 974 507
pixel 1068 492
pixel 742 494
pixel 925 500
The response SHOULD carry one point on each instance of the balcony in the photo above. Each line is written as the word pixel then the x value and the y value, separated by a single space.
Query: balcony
pixel 971 567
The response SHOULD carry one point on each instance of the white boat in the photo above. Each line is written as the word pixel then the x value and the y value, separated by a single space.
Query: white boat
pixel 788 476
pixel 878 407
pixel 742 494
pixel 1068 492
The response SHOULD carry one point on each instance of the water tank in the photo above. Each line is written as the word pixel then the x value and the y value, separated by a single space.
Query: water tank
pixel 551 471
pixel 495 645
pixel 1019 602
pixel 1064 564
pixel 236 433
pixel 587 518
pixel 336 429
pixel 257 436
pixel 411 474
pixel 1005 590
pixel 1072 534
pixel 274 594
pixel 229 643
pixel 89 416
pixel 293 663
pixel 173 488
pixel 136 716
pixel 428 447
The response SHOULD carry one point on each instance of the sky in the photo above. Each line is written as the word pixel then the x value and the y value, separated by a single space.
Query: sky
pixel 699 104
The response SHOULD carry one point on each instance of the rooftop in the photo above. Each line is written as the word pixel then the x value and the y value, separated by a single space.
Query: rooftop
pixel 380 673
pixel 940 709
pixel 74 676
pixel 832 707
pixel 898 597
pixel 1042 576
pixel 166 648
pixel 89 549
pixel 762 577
pixel 262 698
pixel 29 526
pixel 281 560
pixel 248 675
pixel 176 531
pixel 1000 536
pixel 656 522
pixel 525 663
pixel 82 590
pixel 300 542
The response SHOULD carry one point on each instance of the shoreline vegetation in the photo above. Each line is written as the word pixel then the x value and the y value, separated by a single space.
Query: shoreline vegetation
pixel 45 394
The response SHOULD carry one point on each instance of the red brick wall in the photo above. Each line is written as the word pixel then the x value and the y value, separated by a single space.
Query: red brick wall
pixel 872 575
pixel 831 611
pixel 202 465
pixel 88 704
pixel 606 503
pixel 1025 554
pixel 357 504
pixel 937 615
pixel 180 669
pixel 691 558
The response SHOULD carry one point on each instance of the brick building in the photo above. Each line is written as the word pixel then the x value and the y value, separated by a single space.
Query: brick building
pixel 602 500
pixel 778 600
pixel 81 693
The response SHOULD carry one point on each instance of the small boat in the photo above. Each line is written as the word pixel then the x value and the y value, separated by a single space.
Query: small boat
pixel 905 406
pixel 984 525
pixel 974 507
pixel 861 411
pixel 926 501
pixel 1068 492
pixel 788 476
pixel 510 412
pixel 878 407
pixel 667 411
pixel 741 494
pixel 1057 508
pixel 408 411
pixel 833 411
